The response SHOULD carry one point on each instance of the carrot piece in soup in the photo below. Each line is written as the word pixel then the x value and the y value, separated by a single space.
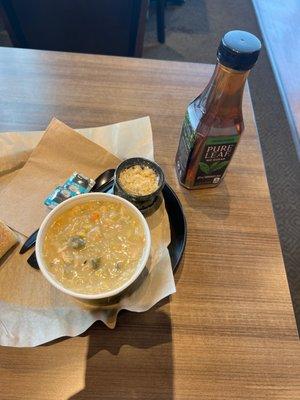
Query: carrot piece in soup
pixel 95 216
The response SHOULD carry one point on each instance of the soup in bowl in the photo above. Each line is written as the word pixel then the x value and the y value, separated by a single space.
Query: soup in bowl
pixel 93 246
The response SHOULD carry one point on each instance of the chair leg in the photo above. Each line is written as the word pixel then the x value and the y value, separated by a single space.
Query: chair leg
pixel 160 19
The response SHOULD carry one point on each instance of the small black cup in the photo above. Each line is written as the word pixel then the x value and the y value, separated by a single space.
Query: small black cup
pixel 147 202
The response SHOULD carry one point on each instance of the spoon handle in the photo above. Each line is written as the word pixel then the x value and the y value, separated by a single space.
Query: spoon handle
pixel 30 242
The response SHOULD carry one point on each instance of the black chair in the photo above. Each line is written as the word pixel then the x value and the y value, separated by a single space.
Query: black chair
pixel 160 17
pixel 160 20
pixel 113 27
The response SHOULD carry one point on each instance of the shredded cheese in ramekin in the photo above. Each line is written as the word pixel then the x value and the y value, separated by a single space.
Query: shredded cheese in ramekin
pixel 139 180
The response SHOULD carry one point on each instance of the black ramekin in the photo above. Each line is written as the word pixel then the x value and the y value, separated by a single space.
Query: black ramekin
pixel 146 202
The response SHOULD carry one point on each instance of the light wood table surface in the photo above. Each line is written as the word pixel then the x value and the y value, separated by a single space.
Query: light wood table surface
pixel 229 331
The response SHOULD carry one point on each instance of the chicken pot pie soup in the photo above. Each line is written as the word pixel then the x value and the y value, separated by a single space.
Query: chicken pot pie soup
pixel 95 246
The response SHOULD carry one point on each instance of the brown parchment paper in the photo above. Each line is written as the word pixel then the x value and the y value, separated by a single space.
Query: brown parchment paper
pixel 60 152
pixel 33 312
pixel 16 147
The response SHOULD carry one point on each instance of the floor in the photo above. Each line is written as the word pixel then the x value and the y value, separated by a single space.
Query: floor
pixel 193 32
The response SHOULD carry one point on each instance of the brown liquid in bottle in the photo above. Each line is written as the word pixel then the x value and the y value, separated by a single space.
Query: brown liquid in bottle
pixel 211 129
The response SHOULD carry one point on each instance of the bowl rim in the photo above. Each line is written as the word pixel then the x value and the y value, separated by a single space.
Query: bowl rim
pixel 67 205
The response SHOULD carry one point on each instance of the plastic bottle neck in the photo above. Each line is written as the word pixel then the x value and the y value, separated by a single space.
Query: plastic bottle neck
pixel 224 91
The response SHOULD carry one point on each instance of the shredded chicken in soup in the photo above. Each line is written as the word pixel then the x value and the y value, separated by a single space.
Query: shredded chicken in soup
pixel 94 247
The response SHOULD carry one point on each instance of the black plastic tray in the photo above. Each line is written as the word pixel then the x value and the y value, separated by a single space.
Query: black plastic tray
pixel 178 225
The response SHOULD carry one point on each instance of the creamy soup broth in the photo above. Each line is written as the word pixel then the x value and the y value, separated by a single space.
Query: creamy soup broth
pixel 94 247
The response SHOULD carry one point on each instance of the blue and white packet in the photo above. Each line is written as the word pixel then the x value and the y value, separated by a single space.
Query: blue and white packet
pixel 74 185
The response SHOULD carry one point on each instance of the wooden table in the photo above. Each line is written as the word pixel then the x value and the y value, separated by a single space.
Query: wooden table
pixel 229 331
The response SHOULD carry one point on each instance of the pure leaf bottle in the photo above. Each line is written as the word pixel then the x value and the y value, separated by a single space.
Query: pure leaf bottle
pixel 213 122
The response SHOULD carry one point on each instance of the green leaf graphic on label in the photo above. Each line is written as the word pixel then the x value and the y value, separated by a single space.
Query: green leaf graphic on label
pixel 204 167
pixel 219 166
pixel 213 165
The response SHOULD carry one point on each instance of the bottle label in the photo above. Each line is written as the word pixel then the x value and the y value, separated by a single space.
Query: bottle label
pixel 186 143
pixel 215 158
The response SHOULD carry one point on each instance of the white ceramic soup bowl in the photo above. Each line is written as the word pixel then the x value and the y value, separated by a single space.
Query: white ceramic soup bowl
pixel 70 203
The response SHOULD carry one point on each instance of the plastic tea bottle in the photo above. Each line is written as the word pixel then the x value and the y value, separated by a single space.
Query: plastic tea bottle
pixel 213 122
